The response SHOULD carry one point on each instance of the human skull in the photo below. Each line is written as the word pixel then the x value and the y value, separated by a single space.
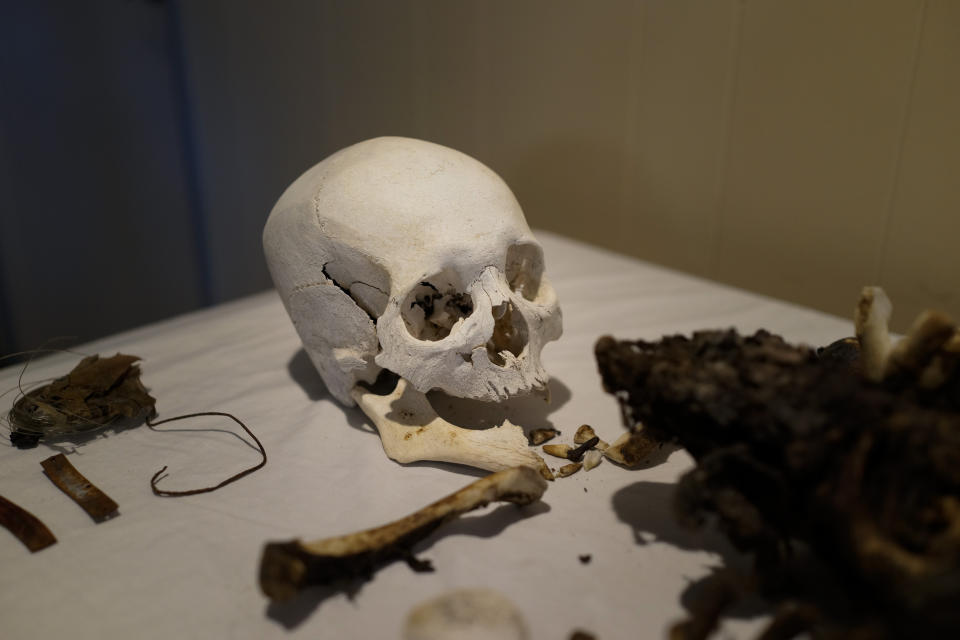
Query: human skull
pixel 405 255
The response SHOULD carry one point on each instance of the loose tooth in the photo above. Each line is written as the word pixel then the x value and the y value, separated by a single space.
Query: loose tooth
pixel 569 469
pixel 592 459
pixel 584 433
pixel 557 450
pixel 539 436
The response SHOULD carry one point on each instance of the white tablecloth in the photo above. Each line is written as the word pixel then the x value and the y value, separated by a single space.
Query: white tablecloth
pixel 187 567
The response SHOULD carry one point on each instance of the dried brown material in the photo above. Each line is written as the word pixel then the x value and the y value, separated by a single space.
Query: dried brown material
pixel 633 448
pixel 95 394
pixel 288 567
pixel 539 436
pixel 95 502
pixel 579 634
pixel 569 469
pixel 25 526
pixel 557 450
pixel 790 446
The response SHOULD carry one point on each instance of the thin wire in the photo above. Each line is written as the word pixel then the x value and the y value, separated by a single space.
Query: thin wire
pixel 191 492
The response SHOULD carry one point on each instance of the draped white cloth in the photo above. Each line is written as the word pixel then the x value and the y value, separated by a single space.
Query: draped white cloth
pixel 187 567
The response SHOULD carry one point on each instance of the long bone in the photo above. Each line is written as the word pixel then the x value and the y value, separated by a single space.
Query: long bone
pixel 411 430
pixel 288 567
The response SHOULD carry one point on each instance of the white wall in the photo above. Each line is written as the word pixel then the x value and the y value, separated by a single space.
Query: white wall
pixel 801 148
pixel 798 148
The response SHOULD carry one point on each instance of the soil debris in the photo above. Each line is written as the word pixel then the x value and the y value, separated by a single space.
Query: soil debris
pixel 97 392
pixel 794 449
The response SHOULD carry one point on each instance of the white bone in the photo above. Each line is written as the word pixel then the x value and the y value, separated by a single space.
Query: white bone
pixel 286 568
pixel 351 242
pixel 410 431
pixel 466 614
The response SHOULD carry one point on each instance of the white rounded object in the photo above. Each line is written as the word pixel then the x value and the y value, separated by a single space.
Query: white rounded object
pixel 466 614
pixel 405 255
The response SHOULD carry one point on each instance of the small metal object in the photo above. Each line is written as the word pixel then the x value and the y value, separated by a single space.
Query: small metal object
pixel 577 454
pixel 25 526
pixel 96 503
pixel 539 436
pixel 584 433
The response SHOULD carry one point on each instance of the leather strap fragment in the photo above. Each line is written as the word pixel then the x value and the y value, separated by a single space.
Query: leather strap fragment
pixel 96 503
pixel 25 526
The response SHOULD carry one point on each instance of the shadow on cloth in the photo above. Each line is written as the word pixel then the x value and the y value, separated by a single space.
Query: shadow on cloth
pixel 647 508
pixel 303 372
pixel 530 411
pixel 292 613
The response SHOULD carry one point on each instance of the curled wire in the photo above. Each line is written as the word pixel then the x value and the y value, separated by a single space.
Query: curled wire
pixel 190 492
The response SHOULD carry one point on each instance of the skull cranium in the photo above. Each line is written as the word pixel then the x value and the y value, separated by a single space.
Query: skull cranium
pixel 405 255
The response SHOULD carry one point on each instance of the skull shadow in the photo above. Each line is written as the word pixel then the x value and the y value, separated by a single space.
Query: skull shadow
pixel 531 411
pixel 303 372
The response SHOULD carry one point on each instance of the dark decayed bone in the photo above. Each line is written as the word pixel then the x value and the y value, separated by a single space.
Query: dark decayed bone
pixel 288 567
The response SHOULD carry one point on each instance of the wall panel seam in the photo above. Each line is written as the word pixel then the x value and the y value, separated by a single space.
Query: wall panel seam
pixel 897 168
pixel 725 147
pixel 186 105
pixel 635 62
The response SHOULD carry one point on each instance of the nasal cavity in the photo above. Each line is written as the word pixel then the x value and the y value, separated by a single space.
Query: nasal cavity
pixel 509 334
pixel 430 311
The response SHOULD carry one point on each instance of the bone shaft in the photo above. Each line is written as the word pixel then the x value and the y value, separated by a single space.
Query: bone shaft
pixel 288 567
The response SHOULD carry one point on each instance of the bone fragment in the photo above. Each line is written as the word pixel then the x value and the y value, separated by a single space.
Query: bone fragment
pixel 870 320
pixel 557 450
pixel 921 350
pixel 411 430
pixel 943 364
pixel 569 469
pixel 632 448
pixel 288 567
pixel 584 433
pixel 929 351
pixel 539 436
pixel 466 614
pixel 592 459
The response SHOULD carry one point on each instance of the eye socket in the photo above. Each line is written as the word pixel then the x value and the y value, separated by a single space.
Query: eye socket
pixel 434 306
pixel 524 269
